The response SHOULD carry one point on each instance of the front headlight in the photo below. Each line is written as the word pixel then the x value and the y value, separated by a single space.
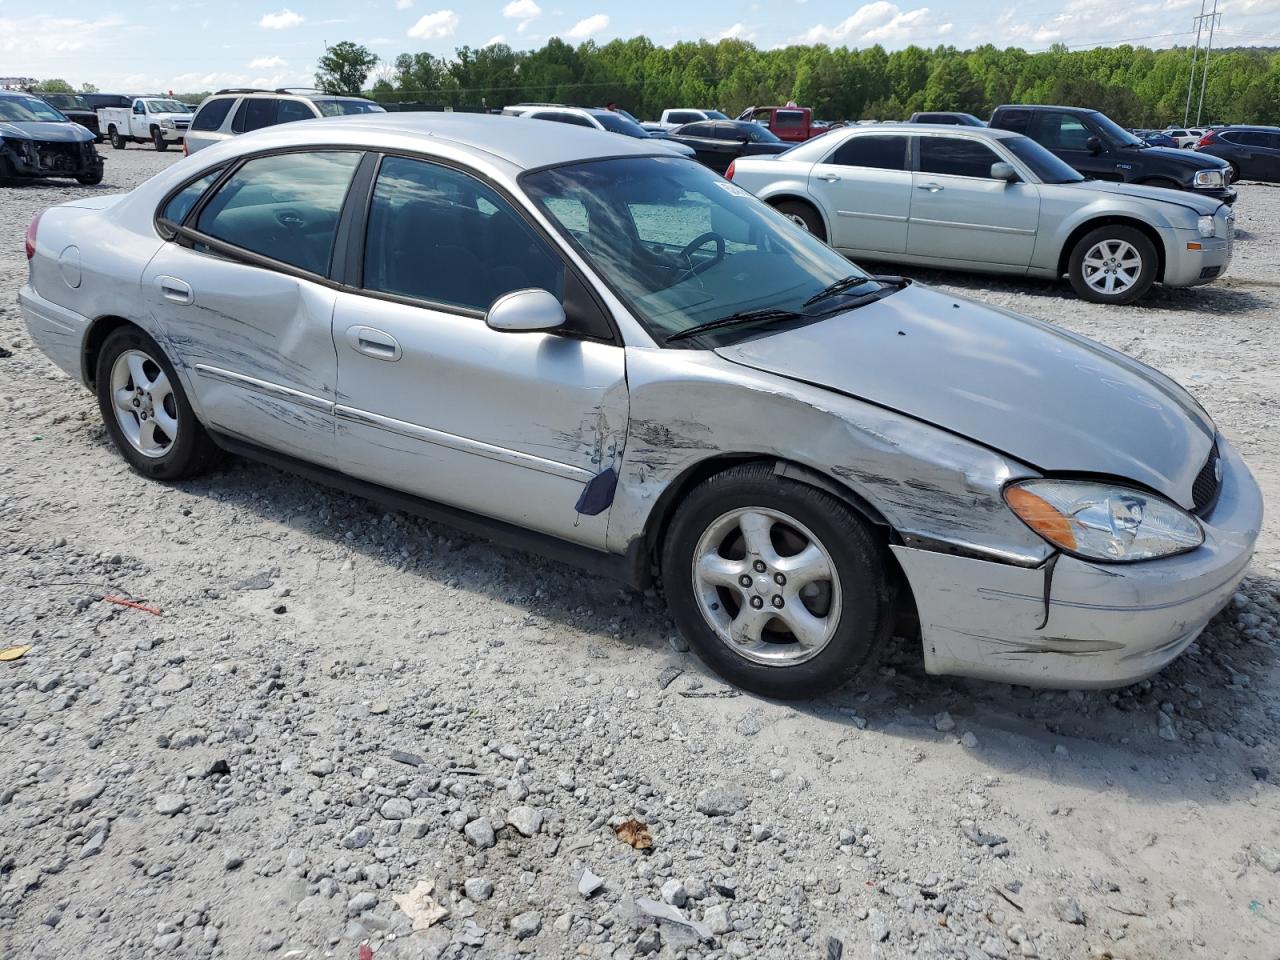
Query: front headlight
pixel 167 124
pixel 1102 521
pixel 1208 226
pixel 1208 178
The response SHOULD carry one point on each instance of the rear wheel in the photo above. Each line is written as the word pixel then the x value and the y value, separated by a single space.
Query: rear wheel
pixel 803 215
pixel 146 410
pixel 117 142
pixel 778 586
pixel 1113 264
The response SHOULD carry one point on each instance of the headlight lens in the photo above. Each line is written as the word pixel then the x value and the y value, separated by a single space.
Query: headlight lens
pixel 1208 227
pixel 1101 521
pixel 1208 178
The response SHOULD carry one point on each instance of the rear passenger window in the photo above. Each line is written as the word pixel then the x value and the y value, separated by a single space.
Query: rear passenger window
pixel 284 207
pixel 211 115
pixel 291 110
pixel 954 157
pixel 440 235
pixel 881 153
pixel 696 130
pixel 1019 121
pixel 182 202
pixel 254 115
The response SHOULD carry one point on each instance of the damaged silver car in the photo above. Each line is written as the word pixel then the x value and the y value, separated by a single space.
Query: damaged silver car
pixel 590 347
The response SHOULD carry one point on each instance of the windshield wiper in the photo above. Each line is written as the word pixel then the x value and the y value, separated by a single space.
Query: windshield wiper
pixel 847 283
pixel 735 319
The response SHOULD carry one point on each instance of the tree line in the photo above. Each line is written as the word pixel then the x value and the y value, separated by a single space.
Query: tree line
pixel 1136 86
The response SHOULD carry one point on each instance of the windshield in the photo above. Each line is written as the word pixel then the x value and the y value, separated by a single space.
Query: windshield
pixel 1115 133
pixel 66 101
pixel 759 134
pixel 685 247
pixel 28 110
pixel 619 124
pixel 338 108
pixel 166 106
pixel 1045 165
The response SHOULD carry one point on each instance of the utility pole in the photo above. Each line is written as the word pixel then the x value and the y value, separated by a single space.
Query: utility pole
pixel 1195 55
pixel 1204 70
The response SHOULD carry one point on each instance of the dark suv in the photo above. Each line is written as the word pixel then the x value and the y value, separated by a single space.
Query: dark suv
pixel 1101 149
pixel 1253 152
pixel 73 106
pixel 947 116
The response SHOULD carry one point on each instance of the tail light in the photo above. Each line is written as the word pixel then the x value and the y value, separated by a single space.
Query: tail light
pixel 31 237
pixel 728 174
pixel 1208 138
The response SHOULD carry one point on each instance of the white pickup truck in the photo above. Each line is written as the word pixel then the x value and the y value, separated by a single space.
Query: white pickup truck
pixel 157 120
pixel 679 116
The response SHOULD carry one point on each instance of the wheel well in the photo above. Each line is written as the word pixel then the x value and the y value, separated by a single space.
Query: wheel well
pixel 792 198
pixel 1064 258
pixel 102 328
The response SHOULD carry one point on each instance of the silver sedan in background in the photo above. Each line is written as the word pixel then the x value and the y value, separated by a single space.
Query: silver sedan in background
pixel 579 343
pixel 970 198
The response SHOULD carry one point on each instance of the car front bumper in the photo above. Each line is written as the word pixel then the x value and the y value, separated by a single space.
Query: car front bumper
pixel 42 158
pixel 1191 259
pixel 1108 625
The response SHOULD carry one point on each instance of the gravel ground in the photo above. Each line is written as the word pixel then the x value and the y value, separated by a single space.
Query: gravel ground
pixel 337 707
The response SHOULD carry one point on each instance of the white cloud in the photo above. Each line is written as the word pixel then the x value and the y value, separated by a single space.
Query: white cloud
pixel 266 63
pixel 404 4
pixel 31 36
pixel 433 26
pixel 495 39
pixel 737 32
pixel 525 11
pixel 588 26
pixel 283 20
pixel 877 22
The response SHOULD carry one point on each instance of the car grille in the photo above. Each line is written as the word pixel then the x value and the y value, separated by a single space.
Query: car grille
pixel 181 124
pixel 1204 491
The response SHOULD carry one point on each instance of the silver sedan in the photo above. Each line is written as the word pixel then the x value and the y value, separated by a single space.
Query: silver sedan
pixel 970 198
pixel 569 342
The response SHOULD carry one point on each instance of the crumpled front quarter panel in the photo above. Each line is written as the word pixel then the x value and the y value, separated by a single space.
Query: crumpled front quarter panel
pixel 688 407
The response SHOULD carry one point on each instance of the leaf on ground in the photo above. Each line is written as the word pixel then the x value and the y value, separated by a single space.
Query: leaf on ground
pixel 420 907
pixel 635 833
pixel 14 653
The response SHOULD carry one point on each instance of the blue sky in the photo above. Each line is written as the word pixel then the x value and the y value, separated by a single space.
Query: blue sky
pixel 130 45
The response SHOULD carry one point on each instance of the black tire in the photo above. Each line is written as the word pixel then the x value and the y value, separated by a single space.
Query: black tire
pixel 1164 182
pixel 117 142
pixel 866 614
pixel 158 139
pixel 192 452
pixel 90 179
pixel 802 214
pixel 1138 240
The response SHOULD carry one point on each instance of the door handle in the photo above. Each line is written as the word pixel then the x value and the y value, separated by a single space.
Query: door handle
pixel 175 290
pixel 829 177
pixel 931 187
pixel 373 343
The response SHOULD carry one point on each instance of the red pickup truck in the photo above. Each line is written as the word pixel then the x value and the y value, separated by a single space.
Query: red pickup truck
pixel 793 124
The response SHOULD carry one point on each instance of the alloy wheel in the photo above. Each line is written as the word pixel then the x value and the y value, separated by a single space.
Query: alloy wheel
pixel 144 403
pixel 1112 266
pixel 767 586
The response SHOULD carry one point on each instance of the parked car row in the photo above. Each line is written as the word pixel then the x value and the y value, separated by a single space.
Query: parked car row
pixel 578 343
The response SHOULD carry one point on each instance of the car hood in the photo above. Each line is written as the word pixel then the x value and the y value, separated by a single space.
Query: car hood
pixel 1188 158
pixel 1183 198
pixel 1054 400
pixel 50 132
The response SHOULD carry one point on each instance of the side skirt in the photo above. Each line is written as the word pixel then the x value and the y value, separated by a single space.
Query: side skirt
pixel 629 568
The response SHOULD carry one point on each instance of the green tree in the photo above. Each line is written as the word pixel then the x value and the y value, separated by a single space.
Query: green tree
pixel 344 67
pixel 55 86
pixel 88 88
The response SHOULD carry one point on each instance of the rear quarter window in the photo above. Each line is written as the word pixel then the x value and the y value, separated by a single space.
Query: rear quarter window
pixel 183 202
pixel 212 114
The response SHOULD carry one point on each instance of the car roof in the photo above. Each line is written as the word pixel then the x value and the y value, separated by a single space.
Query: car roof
pixel 498 136
pixel 1045 106
pixel 952 129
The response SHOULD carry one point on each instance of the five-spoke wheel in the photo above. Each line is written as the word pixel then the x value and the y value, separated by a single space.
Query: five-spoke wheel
pixel 1113 264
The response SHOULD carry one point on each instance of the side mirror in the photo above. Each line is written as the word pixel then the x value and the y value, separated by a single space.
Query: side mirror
pixel 525 311
pixel 1004 171
pixel 1093 145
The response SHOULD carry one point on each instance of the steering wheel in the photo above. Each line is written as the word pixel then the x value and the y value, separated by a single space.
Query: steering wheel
pixel 695 244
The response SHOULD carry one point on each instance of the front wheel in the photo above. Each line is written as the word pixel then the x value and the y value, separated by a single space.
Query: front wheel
pixel 803 216
pixel 146 410
pixel 90 179
pixel 117 142
pixel 778 586
pixel 158 139
pixel 1113 264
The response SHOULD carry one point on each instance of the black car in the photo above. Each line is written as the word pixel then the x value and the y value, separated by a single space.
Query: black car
pixel 73 106
pixel 1101 149
pixel 717 143
pixel 1253 152
pixel 97 101
pixel 947 116
pixel 37 141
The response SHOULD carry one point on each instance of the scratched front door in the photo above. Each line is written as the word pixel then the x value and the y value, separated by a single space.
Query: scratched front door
pixel 509 425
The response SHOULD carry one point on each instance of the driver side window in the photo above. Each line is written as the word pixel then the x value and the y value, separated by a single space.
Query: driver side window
pixel 1061 131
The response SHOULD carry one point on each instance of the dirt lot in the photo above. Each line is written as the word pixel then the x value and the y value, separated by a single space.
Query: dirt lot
pixel 336 703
